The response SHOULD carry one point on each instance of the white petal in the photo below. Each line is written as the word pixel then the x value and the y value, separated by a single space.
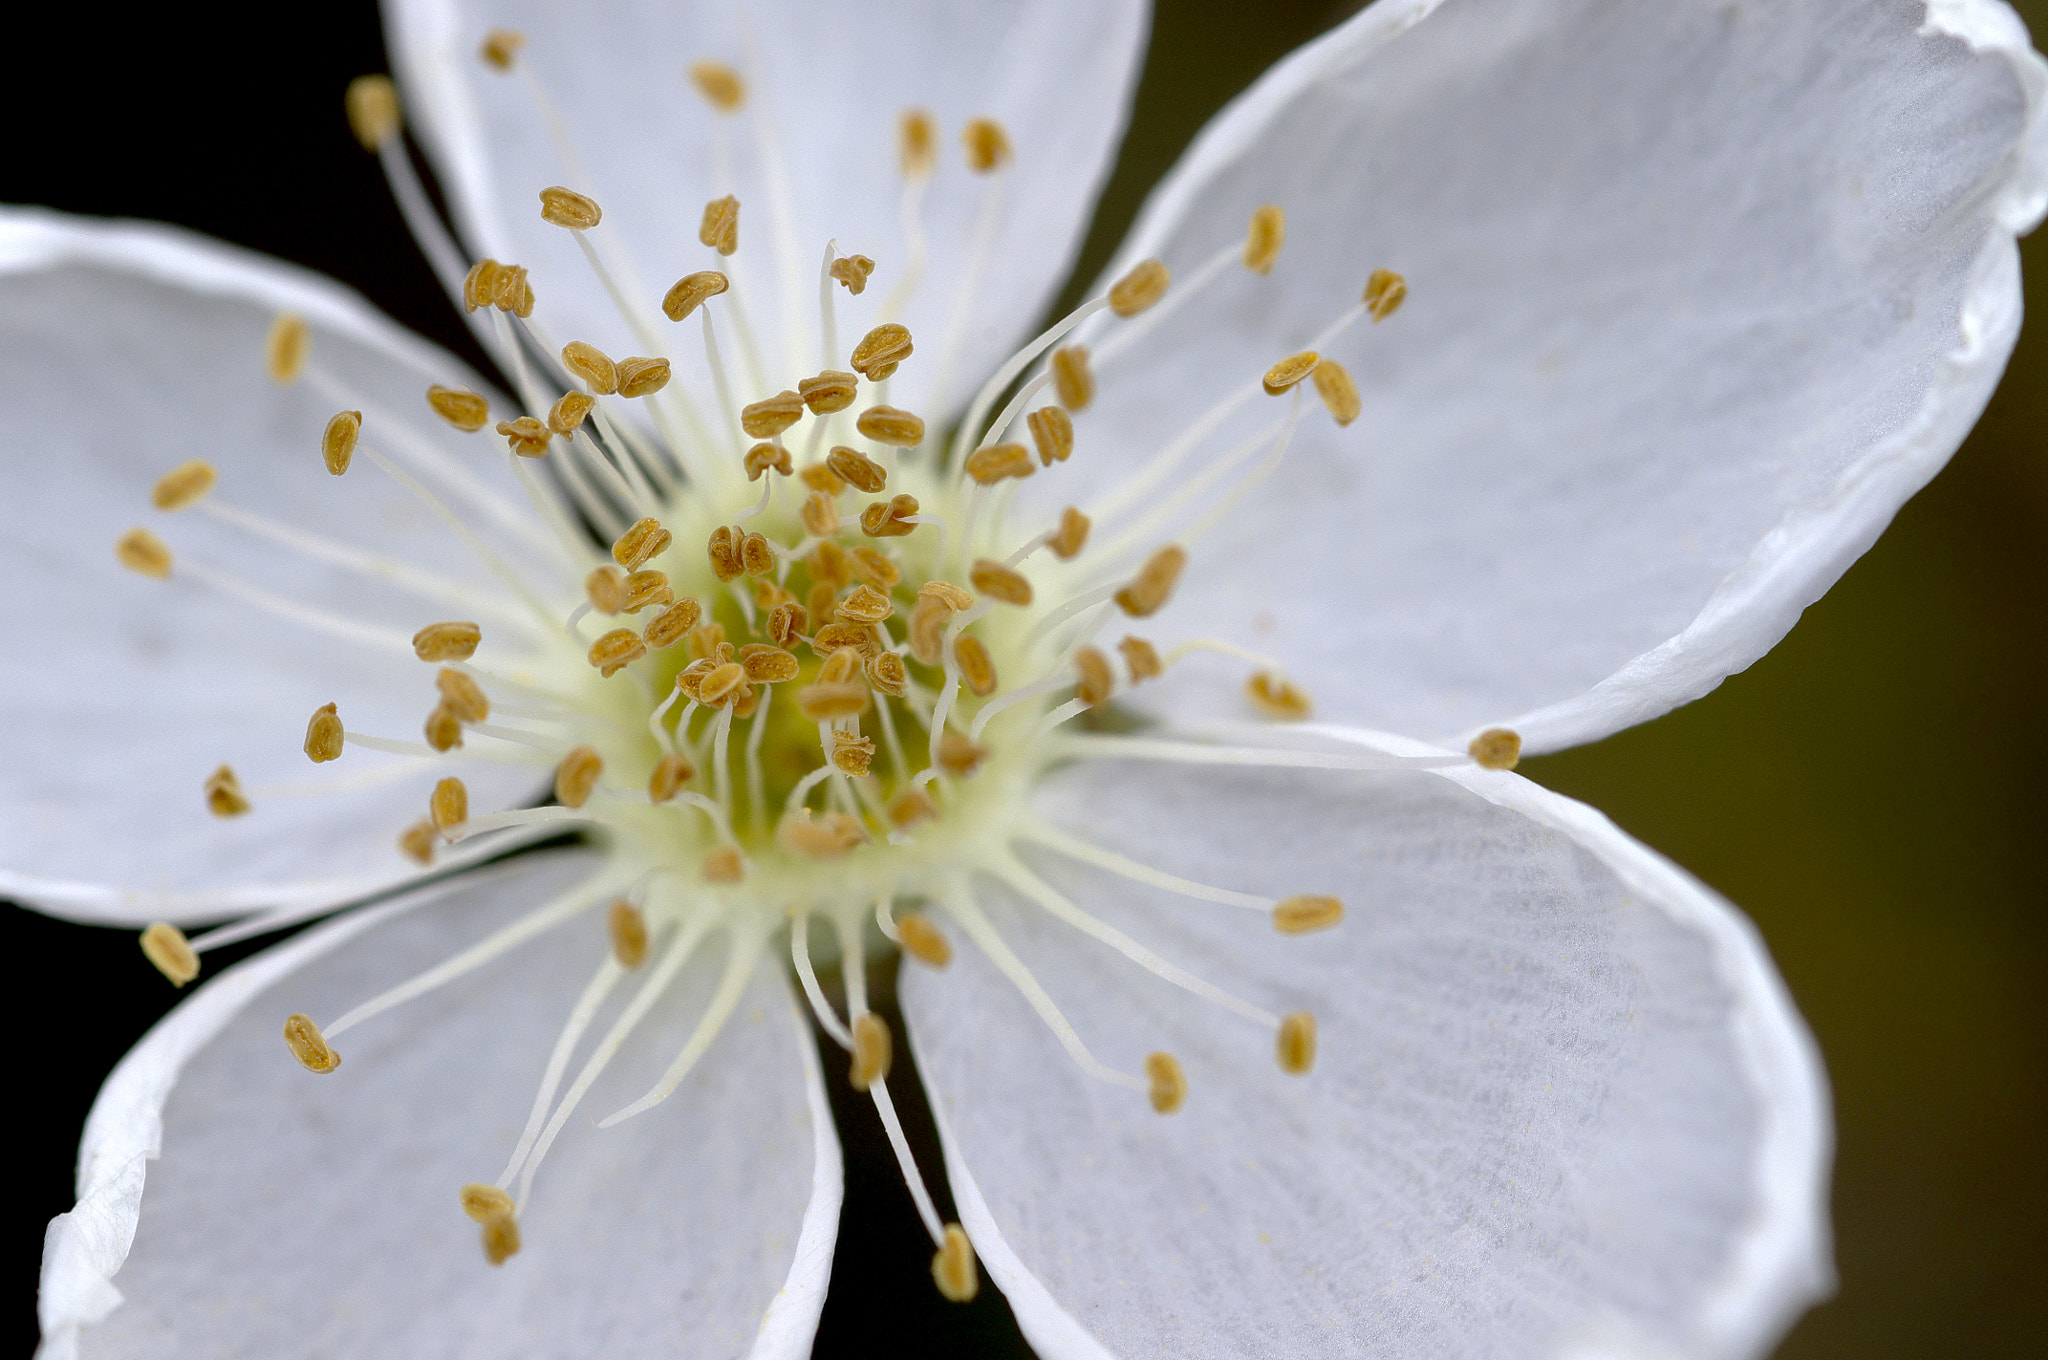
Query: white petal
pixel 1561 1100
pixel 1698 296
pixel 813 157
pixel 124 351
pixel 300 1215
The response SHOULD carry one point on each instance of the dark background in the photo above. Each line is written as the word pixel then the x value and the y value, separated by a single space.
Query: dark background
pixel 1871 792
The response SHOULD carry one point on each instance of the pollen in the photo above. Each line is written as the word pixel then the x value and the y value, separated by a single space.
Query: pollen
pixel 1295 1045
pixel 1291 370
pixel 1072 535
pixel 448 807
pixel 829 700
pixel 284 349
pixel 464 697
pixel 526 436
pixel 691 291
pixel 338 440
pixel 455 641
pixel 1154 583
pixel 1169 1085
pixel 1385 291
pixel 616 650
pixel 856 469
pixel 372 104
pixel 442 729
pixel 1144 285
pixel 1096 682
pixel 993 462
pixel 671 624
pixel 721 86
pixel 720 226
pixel 642 377
pixel 484 1202
pixel 1277 697
pixel 766 457
pixel 1000 582
pixel 1072 382
pixel 183 485
pixel 889 425
pixel 953 1268
pixel 723 865
pixel 224 797
pixel 770 416
pixel 460 407
pixel 922 940
pixel 629 934
pixel 1263 239
pixel 917 144
pixel 323 735
pixel 567 208
pixel 852 753
pixel 501 1239
pixel 501 47
pixel 308 1045
pixel 853 271
pixel 830 391
pixel 889 519
pixel 1052 429
pixel 576 777
pixel 871 1051
pixel 141 551
pixel 671 772
pixel 1338 391
pixel 592 365
pixel 166 947
pixel 641 543
pixel 880 351
pixel 1141 659
pixel 1300 915
pixel 1497 748
pixel 988 146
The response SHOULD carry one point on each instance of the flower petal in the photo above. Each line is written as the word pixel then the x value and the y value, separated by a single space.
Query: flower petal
pixel 125 351
pixel 1698 297
pixel 813 156
pixel 300 1215
pixel 1561 1097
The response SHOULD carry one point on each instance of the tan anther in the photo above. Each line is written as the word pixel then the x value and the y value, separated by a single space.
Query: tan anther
pixel 948 594
pixel 648 590
pixel 566 416
pixel 526 436
pixel 991 463
pixel 1096 682
pixel 721 684
pixel 853 271
pixel 842 663
pixel 865 604
pixel 1263 239
pixel 592 365
pixel 1497 748
pixel 787 623
pixel 1144 285
pixel 891 425
pixel 770 416
pixel 823 596
pixel 465 410
pixel 819 514
pixel 480 285
pixel 768 665
pixel 372 105
pixel 959 756
pixel 308 1045
pixel 616 650
pixel 576 777
pixel 825 701
pixel 1282 376
pixel 919 937
pixel 765 457
pixel 999 582
pixel 830 391
pixel 886 673
pixel 605 588
pixel 1385 291
pixel 852 753
pixel 1073 382
pixel 690 292
pixel 988 146
pixel 512 290
pixel 723 865
pixel 501 1239
pixel 1154 582
pixel 1072 535
pixel 183 485
pixel 880 351
pixel 826 837
pixel 756 557
pixel 464 696
pixel 442 729
pixel 285 348
pixel 720 85
pixel 1300 915
pixel 1295 1046
pixel 831 638
pixel 856 469
pixel 453 641
pixel 720 227
pixel 448 805
pixel 890 518
pixel 871 1051
pixel 484 1202
pixel 693 675
pixel 1141 659
pixel 139 550
pixel 165 946
pixel 708 642
pixel 1277 697
pixel 567 208
pixel 669 627
pixel 873 568
pixel 821 477
pixel 928 630
pixel 1169 1084
pixel 1339 393
pixel 642 377
pixel 628 929
pixel 910 807
pixel 338 440
pixel 642 542
pixel 917 143
pixel 1052 429
pixel 323 735
pixel 977 668
pixel 418 841
pixel 953 1267
pixel 501 47
pixel 671 772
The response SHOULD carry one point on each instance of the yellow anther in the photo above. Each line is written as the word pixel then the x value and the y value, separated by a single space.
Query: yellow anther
pixel 1052 429
pixel 592 365
pixel 454 641
pixel 418 841
pixel 767 458
pixel 917 144
pixel 1339 393
pixel 1295 1045
pixel 183 485
pixel 890 518
pixel 787 623
pixel 1497 748
pixel 480 284
pixel 873 568
pixel 856 469
pixel 648 590
pixel 567 208
pixel 464 697
pixel 826 701
pixel 442 729
pixel 721 86
pixel 1262 241
pixel 756 557
pixel 566 416
pixel 1141 659
pixel 1144 285
pixel 988 146
pixel 1169 1084
pixel 853 271
pixel 871 1051
pixel 671 772
pixel 338 440
pixel 819 477
pixel 308 1045
pixel 501 47
pixel 928 630
pixel 1300 915
pixel 526 436
pixel 948 594
pixel 501 1239
pixel 921 939
pixel 465 410
pixel 628 929
pixel 691 291
pixel 139 550
pixel 605 588
pixel 285 348
pixel 1277 697
pixel 830 391
pixel 484 1202
pixel 852 753
pixel 641 543
pixel 865 605
pixel 1385 291
pixel 720 227
pixel 448 806
pixel 880 351
pixel 819 515
pixel 953 1268
pixel 1072 535
pixel 576 777
pixel 959 756
pixel 724 551
pixel 372 104
pixel 1096 683
pixel 826 837
pixel 1154 582
pixel 977 667
pixel 165 946
pixel 831 566
pixel 616 650
pixel 999 582
pixel 721 684
pixel 668 627
pixel 1289 371
pixel 889 425
pixel 323 735
pixel 910 807
pixel 854 639
pixel 1072 381
pixel 513 291
pixel 224 796
pixel 723 865
pixel 691 675
pixel 642 377
pixel 770 416
pixel 768 665
pixel 991 463
pixel 885 671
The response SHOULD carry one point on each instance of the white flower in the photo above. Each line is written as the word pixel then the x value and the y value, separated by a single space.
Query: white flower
pixel 1700 295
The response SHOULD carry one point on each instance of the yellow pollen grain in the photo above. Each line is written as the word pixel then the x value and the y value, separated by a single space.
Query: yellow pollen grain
pixel 323 735
pixel 442 729
pixel 917 144
pixel 448 806
pixel 1143 286
pixel 1169 1085
pixel 880 351
pixel 871 1051
pixel 1072 381
pixel 770 416
pixel 988 146
pixel 648 590
pixel 464 697
pixel 856 469
pixel 1385 291
pixel 1497 748
pixel 670 773
pixel 513 291
pixel 642 377
pixel 576 777
pixel 224 796
pixel 852 753
pixel 1096 682
pixel 999 582
pixel 480 284
pixel 165 946
pixel 1338 392
pixel 643 541
pixel 922 940
pixel 417 841
pixel 285 348
pixel 1300 915
pixel 1295 1045
pixel 886 672
pixel 723 865
pixel 526 436
pixel 501 48
pixel 873 568
pixel 1141 659
pixel 865 605
pixel 567 208
pixel 453 641
pixel 690 292
pixel 1277 697
pixel 890 519
pixel 1284 375
pixel 977 667
pixel 501 1239
pixel 853 271
pixel 953 1267
pixel 830 391
pixel 910 807
pixel 465 410
pixel 1072 535
pixel 765 457
pixel 605 588
pixel 183 485
pixel 722 87
pixel 891 425
pixel 616 650
pixel 308 1045
pixel 720 227
pixel 827 701
pixel 592 365
pixel 819 515
pixel 993 462
pixel 959 756
pixel 1154 583
pixel 338 440
pixel 1052 429
pixel 670 626
pixel 141 551
pixel 628 929
pixel 484 1202
pixel 372 105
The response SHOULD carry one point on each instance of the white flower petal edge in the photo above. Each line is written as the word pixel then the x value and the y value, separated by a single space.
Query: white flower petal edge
pixel 1620 1146
pixel 307 1214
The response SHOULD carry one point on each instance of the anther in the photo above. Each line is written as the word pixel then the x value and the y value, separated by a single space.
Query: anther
pixel 819 477
pixel 455 641
pixel 480 284
pixel 988 146
pixel 1096 682
pixel 770 416
pixel 830 566
pixel 443 728
pixel 616 650
pixel 1289 371
pixel 671 772
pixel 720 227
pixel 853 271
pixel 959 756
pixel 886 673
pixel 1169 1084
pixel 1296 1044
pixel 889 425
pixel 448 806
pixel 819 514
pixel 825 702
pixel 880 351
pixel 865 605
pixel 953 1268
pixel 338 440
pixel 690 292
pixel 856 469
pixel 628 930
pixel 648 590
pixel 756 557
pixel 1277 697
pixel 890 518
pixel 1300 915
pixel 910 807
pixel 372 104
pixel 465 410
pixel 592 365
pixel 917 144
pixel 323 735
pixel 576 776
pixel 999 582
pixel 948 594
pixel 720 85
pixel 1339 393
pixel 709 642
pixel 642 377
pixel 501 1239
pixel 1052 429
pixel 183 485
pixel 1263 239
pixel 669 626
pixel 165 946
pixel 1144 285
pixel 644 541
pixel 501 47
pixel 993 462
pixel 464 697
pixel 1072 381
pixel 1497 748
pixel 526 436
pixel 871 1051
pixel 567 208
pixel 1141 659
pixel 484 1202
pixel 141 551
pixel 605 588
pixel 721 684
pixel 691 675
pixel 284 349
pixel 852 753
pixel 224 796
pixel 723 865
pixel 513 291
pixel 977 668
pixel 787 623
pixel 922 940
pixel 853 638
pixel 308 1045
pixel 1154 582
pixel 830 391
pixel 1385 291
pixel 765 457
pixel 417 841
pixel 873 568
pixel 928 630
pixel 1072 535
pixel 768 665
pixel 826 837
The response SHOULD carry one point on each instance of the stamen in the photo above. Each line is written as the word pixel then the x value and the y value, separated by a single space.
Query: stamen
pixel 1052 430
pixel 484 1202
pixel 592 365
pixel 853 271
pixel 576 777
pixel 338 440
pixel 768 665
pixel 911 807
pixel 605 588
pixel 285 348
pixel 953 1267
pixel 1262 241
pixel 723 865
pixel 448 808
pixel 642 377
pixel 224 796
pixel 819 514
pixel 467 411
pixel 886 673
pixel 1289 371
pixel 880 351
pixel 891 425
pixel 958 755
pixel 1300 915
pixel 917 145
pixel 1339 393
pixel 442 729
pixel 1068 540
pixel 994 462
pixel 856 469
pixel 456 641
pixel 1169 1085
pixel 1296 1043
pixel 308 1045
pixel 1277 697
pixel 463 696
pixel 1141 659
pixel 721 86
pixel 1385 291
pixel 1497 748
pixel 988 146
pixel 690 292
pixel 922 940
pixel 871 1050
pixel 672 624
pixel 526 436
pixel 165 946
pixel 143 552
pixel 501 46
pixel 852 753
pixel 769 417
pixel 1072 383
pixel 873 568
pixel 977 668
pixel 1137 290
pixel 628 929
pixel 569 209
pixel 830 391
pixel 372 104
pixel 671 772
pixel 512 291
pixel 893 518
pixel 829 701
pixel 1154 583
pixel 1000 582
pixel 183 485
pixel 641 543
pixel 1097 683
pixel 720 228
